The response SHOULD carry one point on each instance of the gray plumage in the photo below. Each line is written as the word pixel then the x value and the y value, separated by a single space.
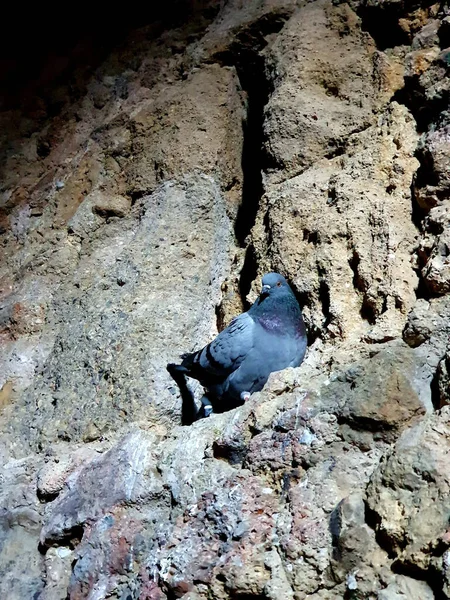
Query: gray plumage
pixel 269 337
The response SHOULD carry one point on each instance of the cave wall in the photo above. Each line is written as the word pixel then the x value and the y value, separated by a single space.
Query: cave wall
pixel 142 197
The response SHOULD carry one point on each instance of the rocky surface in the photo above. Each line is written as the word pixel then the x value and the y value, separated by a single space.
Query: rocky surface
pixel 140 202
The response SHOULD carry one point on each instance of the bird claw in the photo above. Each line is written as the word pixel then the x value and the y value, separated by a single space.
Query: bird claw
pixel 245 396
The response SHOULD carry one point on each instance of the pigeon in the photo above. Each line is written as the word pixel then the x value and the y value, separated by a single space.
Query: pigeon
pixel 269 337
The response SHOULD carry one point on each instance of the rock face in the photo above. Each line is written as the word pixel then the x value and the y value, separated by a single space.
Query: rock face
pixel 140 202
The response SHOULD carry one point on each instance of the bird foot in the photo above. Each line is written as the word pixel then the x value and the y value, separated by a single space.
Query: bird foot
pixel 245 396
pixel 207 410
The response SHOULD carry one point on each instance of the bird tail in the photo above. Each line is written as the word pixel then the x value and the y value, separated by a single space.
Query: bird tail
pixel 176 370
pixel 189 410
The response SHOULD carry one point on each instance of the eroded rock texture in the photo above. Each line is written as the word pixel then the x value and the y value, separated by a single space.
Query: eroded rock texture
pixel 141 201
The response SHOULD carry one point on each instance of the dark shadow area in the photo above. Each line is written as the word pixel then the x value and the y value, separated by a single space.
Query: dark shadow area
pixel 381 22
pixel 431 576
pixel 444 31
pixel 334 527
pixel 248 275
pixel 373 520
pixel 71 538
pixel 245 55
pixel 304 299
pixel 235 455
pixel 40 43
pixel 44 498
pixel 417 212
pixel 422 290
pixel 324 297
pixel 435 391
pixel 425 110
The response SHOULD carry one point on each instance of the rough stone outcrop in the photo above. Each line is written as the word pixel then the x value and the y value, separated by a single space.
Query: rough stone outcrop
pixel 140 202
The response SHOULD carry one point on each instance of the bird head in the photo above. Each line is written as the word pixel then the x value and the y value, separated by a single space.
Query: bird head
pixel 273 283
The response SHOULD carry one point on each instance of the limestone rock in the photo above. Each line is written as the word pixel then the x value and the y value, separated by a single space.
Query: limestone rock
pixel 436 272
pixel 406 587
pixel 97 486
pixel 58 568
pixel 321 232
pixel 191 127
pixel 408 493
pixel 319 99
pixel 383 395
pixel 53 474
pixel 21 566
pixel 131 294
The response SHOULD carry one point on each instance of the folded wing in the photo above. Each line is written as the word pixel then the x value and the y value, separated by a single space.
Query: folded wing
pixel 224 354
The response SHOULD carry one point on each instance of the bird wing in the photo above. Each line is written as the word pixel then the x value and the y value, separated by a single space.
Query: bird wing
pixel 226 352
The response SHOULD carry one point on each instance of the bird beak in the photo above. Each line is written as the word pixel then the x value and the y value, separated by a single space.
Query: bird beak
pixel 265 290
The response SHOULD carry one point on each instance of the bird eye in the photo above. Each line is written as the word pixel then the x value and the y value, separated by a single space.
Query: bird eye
pixel 278 283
